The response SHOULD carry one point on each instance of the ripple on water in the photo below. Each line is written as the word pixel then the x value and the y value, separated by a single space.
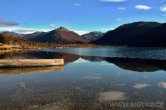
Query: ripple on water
pixel 95 77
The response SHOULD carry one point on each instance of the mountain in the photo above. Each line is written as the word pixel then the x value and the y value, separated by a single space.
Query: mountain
pixel 92 36
pixel 6 39
pixel 137 34
pixel 23 36
pixel 8 33
pixel 60 35
pixel 33 35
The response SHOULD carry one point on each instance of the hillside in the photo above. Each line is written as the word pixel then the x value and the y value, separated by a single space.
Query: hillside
pixel 92 36
pixel 8 33
pixel 6 39
pixel 137 34
pixel 22 43
pixel 33 35
pixel 11 40
pixel 60 35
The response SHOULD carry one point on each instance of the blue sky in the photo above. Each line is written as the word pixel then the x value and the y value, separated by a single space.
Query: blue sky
pixel 82 16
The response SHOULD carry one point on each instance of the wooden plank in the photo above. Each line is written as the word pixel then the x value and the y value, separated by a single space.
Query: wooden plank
pixel 31 62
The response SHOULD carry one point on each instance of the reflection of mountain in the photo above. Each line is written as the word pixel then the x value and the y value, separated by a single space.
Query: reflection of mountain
pixel 124 63
pixel 10 54
pixel 40 55
pixel 52 55
pixel 92 58
pixel 29 70
pixel 140 65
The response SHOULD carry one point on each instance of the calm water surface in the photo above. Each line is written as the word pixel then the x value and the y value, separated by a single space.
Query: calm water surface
pixel 91 79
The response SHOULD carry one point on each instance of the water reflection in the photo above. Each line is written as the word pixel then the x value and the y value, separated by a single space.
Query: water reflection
pixel 26 54
pixel 86 82
pixel 133 64
pixel 139 53
pixel 97 77
pixel 7 54
pixel 30 70
pixel 140 65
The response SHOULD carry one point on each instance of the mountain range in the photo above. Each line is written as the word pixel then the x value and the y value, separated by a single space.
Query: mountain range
pixel 92 36
pixel 7 39
pixel 60 35
pixel 136 34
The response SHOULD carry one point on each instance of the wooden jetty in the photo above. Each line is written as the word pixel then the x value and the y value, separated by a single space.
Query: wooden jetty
pixel 31 62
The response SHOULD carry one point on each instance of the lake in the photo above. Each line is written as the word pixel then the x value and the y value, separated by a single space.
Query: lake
pixel 91 79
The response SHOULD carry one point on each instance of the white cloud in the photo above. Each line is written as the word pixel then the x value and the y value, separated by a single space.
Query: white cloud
pixel 164 15
pixel 163 8
pixel 52 26
pixel 113 1
pixel 8 24
pixel 121 8
pixel 143 7
pixel 77 4
pixel 22 30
